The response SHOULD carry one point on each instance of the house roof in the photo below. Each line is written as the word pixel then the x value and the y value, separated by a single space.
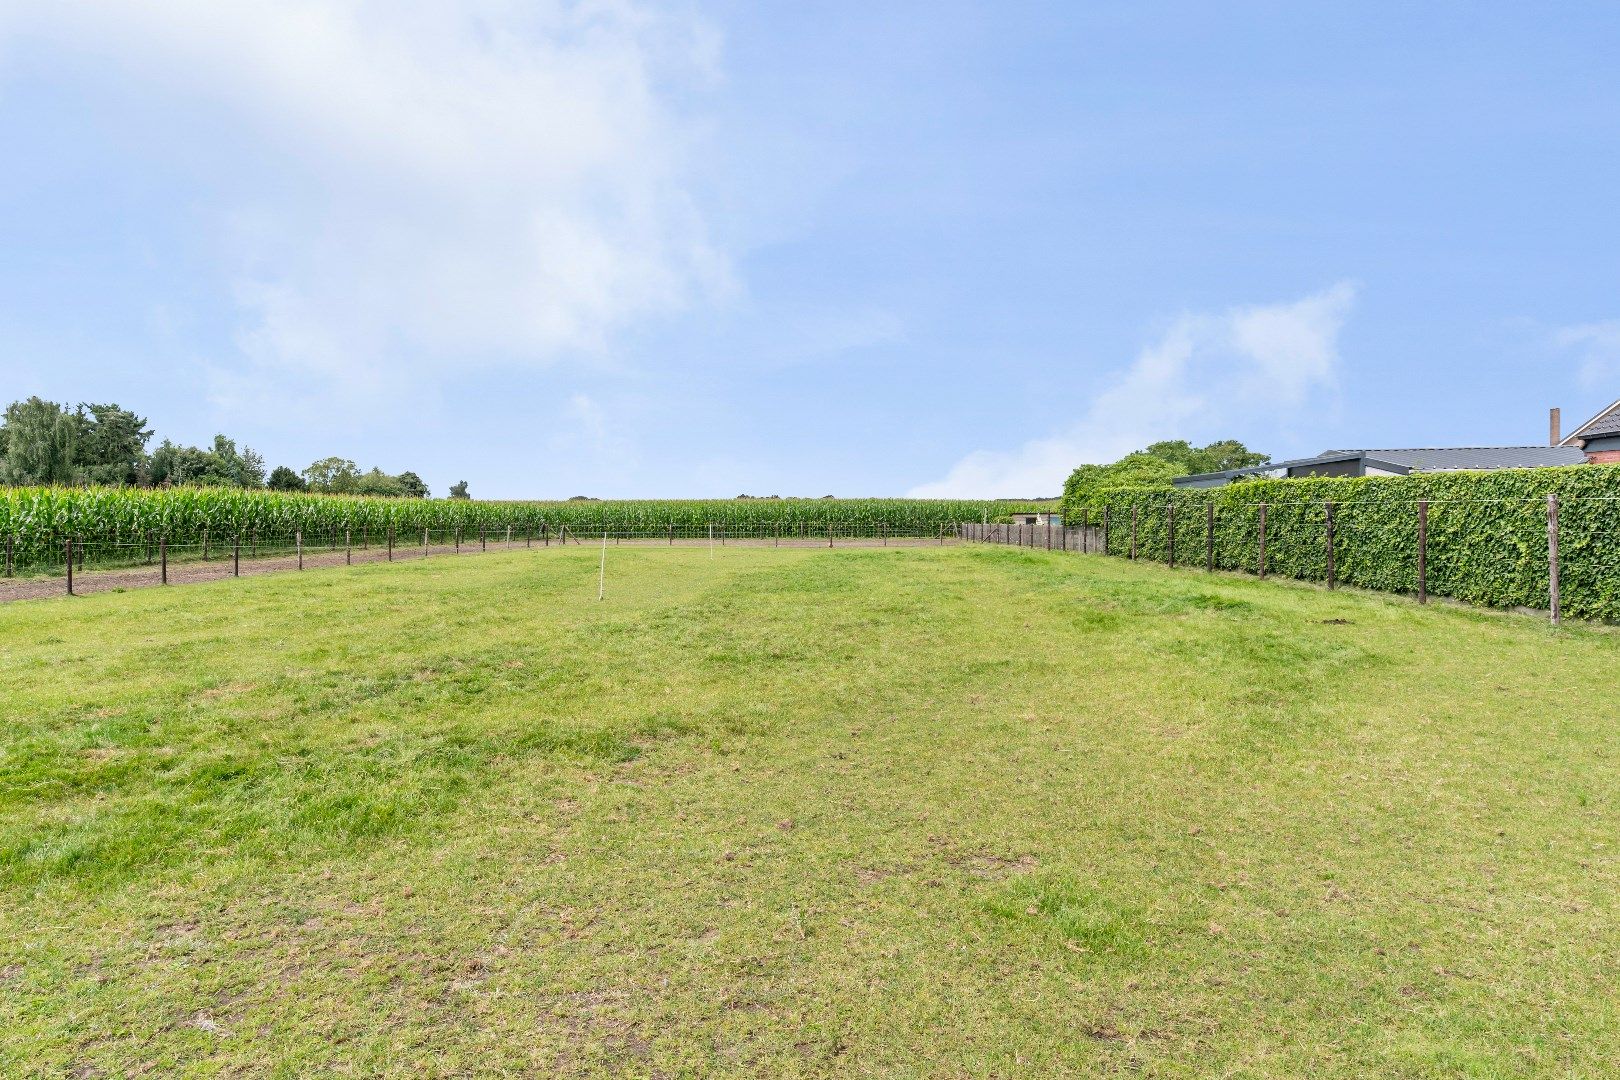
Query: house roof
pixel 1419 459
pixel 1606 422
pixel 1443 458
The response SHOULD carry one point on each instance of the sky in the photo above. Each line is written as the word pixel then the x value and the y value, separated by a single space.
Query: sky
pixel 624 248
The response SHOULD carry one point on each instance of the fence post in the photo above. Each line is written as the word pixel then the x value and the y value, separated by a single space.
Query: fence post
pixel 1423 551
pixel 236 557
pixel 509 536
pixel 424 543
pixel 348 548
pixel 1331 577
pixel 483 538
pixel 1262 539
pixel 70 567
pixel 298 542
pixel 1133 531
pixel 829 534
pixel 163 559
pixel 1170 534
pixel 1552 556
pixel 1209 537
pixel 390 543
pixel 672 534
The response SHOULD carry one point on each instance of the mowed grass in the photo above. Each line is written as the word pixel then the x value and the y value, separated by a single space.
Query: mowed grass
pixel 928 812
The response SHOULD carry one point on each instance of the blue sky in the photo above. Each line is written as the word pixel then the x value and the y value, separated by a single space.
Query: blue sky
pixel 707 248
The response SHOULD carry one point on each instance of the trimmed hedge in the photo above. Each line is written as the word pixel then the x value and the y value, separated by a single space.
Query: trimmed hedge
pixel 1487 533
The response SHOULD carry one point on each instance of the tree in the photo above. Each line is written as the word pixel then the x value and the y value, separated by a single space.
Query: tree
pixel 377 482
pixel 41 443
pixel 459 491
pixel 412 486
pixel 333 476
pixel 284 479
pixel 112 449
pixel 222 466
pixel 1155 466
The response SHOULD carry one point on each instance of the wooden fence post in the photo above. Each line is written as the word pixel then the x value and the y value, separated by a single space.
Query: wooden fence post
pixel 70 567
pixel 483 538
pixel 390 543
pixel 1423 551
pixel 1262 539
pixel 424 543
pixel 1209 536
pixel 236 557
pixel 1170 534
pixel 1552 556
pixel 348 548
pixel 829 534
pixel 1331 576
pixel 298 542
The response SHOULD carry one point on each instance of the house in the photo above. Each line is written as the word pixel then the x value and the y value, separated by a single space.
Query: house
pixel 1402 462
pixel 1598 439
pixel 1054 520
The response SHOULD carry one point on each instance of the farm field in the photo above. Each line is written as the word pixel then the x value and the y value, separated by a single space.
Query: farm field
pixel 961 811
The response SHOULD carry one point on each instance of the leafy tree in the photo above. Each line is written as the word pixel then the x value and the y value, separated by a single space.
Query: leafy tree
pixel 1157 465
pixel 40 440
pixel 333 476
pixel 412 486
pixel 222 466
pixel 459 491
pixel 284 479
pixel 112 447
pixel 377 482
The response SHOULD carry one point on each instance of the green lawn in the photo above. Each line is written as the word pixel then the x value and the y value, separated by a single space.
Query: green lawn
pixel 928 812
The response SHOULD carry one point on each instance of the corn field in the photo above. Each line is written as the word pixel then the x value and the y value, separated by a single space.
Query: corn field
pixel 36 521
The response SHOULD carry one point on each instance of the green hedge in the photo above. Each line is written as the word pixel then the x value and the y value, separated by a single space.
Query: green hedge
pixel 1487 534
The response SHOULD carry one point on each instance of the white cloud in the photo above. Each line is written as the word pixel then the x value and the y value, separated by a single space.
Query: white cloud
pixel 469 182
pixel 1598 345
pixel 1209 376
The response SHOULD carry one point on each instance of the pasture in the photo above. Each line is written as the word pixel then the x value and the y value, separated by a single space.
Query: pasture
pixel 960 811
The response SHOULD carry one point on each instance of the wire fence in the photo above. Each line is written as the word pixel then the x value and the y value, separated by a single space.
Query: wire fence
pixel 1550 553
pixel 76 565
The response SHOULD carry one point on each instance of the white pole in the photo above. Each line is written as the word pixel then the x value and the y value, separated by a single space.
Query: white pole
pixel 601 573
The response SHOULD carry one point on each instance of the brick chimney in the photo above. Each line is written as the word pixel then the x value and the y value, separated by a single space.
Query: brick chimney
pixel 1554 434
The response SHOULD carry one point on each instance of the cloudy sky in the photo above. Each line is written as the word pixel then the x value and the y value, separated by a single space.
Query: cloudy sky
pixel 627 248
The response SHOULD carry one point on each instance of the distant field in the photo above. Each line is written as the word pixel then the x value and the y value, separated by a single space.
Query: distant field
pixel 974 811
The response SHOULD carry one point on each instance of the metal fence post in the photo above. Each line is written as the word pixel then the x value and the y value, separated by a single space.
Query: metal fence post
pixel 1552 556
pixel 390 543
pixel 1423 551
pixel 236 556
pixel 424 543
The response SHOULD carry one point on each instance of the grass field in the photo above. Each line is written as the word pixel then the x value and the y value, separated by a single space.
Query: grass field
pixel 939 812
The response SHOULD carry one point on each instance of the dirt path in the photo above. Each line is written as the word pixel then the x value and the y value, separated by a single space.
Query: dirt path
pixel 192 571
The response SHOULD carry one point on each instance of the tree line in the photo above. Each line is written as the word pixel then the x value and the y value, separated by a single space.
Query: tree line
pixel 43 442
